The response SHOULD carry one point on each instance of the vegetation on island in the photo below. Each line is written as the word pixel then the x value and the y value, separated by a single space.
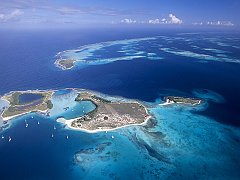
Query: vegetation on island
pixel 183 100
pixel 16 108
pixel 108 114
pixel 66 63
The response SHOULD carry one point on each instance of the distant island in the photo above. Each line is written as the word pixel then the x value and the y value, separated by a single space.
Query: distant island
pixel 182 100
pixel 65 64
pixel 107 114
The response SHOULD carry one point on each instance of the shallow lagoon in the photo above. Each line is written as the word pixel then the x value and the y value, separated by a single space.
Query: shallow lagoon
pixel 29 97
pixel 64 105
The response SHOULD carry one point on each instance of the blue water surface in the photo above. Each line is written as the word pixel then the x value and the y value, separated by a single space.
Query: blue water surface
pixel 180 143
pixel 29 97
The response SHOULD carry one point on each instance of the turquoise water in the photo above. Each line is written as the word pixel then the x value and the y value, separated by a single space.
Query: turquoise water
pixel 64 105
pixel 78 110
pixel 130 49
pixel 180 142
pixel 177 143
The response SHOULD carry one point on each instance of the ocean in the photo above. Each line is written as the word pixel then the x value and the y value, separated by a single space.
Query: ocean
pixel 181 142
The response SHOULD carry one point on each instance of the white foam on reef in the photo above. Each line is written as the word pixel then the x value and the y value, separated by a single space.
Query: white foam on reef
pixel 107 60
pixel 130 49
pixel 135 53
pixel 84 53
pixel 223 44
pixel 209 95
pixel 199 56
pixel 215 50
pixel 151 54
pixel 155 58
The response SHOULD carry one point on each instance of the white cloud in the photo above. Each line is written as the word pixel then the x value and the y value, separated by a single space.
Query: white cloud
pixel 129 21
pixel 154 21
pixel 198 23
pixel 174 19
pixel 214 23
pixel 12 16
pixel 171 19
pixel 220 23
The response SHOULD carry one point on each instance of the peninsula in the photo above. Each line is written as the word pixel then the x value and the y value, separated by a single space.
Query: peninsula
pixel 108 114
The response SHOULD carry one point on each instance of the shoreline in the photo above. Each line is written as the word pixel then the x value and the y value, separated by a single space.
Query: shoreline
pixel 22 114
pixel 58 65
pixel 27 112
pixel 169 102
pixel 69 122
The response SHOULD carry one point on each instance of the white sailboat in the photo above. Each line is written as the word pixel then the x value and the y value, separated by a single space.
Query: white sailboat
pixel 2 137
pixel 67 137
pixel 38 122
pixel 26 124
pixel 54 127
pixel 52 136
pixel 9 139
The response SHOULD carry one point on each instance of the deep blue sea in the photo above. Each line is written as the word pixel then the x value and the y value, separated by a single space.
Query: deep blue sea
pixel 180 143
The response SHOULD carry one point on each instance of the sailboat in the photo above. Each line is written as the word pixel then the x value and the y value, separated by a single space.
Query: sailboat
pixel 26 124
pixel 9 139
pixel 38 122
pixel 52 135
pixel 54 128
pixel 2 137
pixel 67 137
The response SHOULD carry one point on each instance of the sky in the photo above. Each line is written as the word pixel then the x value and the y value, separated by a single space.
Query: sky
pixel 36 13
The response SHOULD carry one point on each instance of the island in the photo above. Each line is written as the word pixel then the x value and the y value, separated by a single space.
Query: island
pixel 109 114
pixel 65 64
pixel 182 100
pixel 23 102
